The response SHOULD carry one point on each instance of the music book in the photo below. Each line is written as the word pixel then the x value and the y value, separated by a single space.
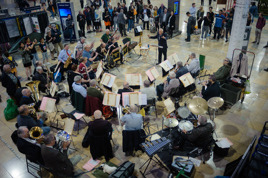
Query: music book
pixel 47 104
pixel 111 99
pixel 108 80
pixel 169 105
pixel 53 88
pixel 132 98
pixel 69 126
pixel 152 74
pixel 173 59
pixel 187 79
pixel 78 115
pixel 133 79
pixel 91 164
pixel 166 65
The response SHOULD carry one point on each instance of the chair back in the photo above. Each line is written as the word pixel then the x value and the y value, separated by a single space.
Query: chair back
pixel 125 40
pixel 116 55
pixel 151 102
pixel 132 139
pixel 195 74
pixel 78 101
pixel 92 104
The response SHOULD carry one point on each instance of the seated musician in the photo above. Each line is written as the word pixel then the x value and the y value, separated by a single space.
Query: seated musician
pixel 125 89
pixel 24 119
pixel 89 55
pixel 84 70
pixel 29 146
pixel 113 47
pixel 106 36
pixel 211 88
pixel 132 120
pixel 93 91
pixel 101 50
pixel 58 160
pixel 77 87
pixel 80 47
pixel 199 136
pixel 99 126
pixel 27 99
pixel 164 89
pixel 63 56
pixel 149 91
pixel 37 64
pixel 224 71
pixel 194 66
pixel 181 70
pixel 43 78
pixel 72 74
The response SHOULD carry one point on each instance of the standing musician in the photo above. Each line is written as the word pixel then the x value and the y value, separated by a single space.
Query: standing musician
pixel 105 37
pixel 63 56
pixel 162 43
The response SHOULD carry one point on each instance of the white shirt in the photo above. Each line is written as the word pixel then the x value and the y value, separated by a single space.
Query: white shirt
pixel 164 17
pixel 32 141
pixel 193 11
pixel 77 87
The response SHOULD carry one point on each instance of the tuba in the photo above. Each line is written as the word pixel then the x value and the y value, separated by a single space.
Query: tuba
pixel 36 132
pixel 33 85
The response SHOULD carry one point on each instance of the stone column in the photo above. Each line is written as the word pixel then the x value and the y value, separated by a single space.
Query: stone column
pixel 239 26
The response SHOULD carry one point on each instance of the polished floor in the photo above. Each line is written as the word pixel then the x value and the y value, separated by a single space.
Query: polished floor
pixel 239 123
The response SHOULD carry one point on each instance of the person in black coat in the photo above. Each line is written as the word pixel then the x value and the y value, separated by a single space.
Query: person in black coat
pixel 82 22
pixel 28 146
pixel 100 126
pixel 171 23
pixel 163 20
pixel 162 43
pixel 10 81
pixel 27 99
pixel 42 77
pixel 18 95
pixel 211 89
pixel 125 89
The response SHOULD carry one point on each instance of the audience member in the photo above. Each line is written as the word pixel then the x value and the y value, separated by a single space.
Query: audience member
pixel 146 15
pixel 190 26
pixel 26 59
pixel 218 25
pixel 164 19
pixel 121 19
pixel 224 71
pixel 259 26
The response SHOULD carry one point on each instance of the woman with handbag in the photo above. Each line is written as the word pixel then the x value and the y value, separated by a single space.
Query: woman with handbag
pixel 50 40
pixel 26 59
pixel 9 60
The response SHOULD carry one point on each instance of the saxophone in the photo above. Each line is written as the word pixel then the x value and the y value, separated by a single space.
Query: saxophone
pixel 68 61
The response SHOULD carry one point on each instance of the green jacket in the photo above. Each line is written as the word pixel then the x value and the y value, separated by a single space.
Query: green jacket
pixel 201 14
pixel 94 93
pixel 222 73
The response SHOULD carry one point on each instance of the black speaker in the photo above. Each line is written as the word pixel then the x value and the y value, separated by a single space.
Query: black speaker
pixel 125 170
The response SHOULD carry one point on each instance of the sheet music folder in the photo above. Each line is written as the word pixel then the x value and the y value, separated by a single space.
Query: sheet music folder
pixel 48 104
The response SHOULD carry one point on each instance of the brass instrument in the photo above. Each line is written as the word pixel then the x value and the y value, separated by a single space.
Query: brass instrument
pixel 140 39
pixel 32 109
pixel 36 132
pixel 33 85
pixel 68 61
pixel 126 110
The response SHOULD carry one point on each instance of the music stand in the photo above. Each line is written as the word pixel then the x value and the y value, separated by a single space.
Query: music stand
pixel 138 32
pixel 156 47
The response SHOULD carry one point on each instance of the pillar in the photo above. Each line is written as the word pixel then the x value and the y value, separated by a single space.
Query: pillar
pixel 239 26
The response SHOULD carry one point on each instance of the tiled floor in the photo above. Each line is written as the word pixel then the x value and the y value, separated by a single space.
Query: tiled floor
pixel 239 124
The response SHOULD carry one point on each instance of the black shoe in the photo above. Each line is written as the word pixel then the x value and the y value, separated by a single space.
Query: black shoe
pixel 254 42
pixel 157 63
pixel 28 78
pixel 213 38
pixel 122 62
pixel 226 41
pixel 85 37
pixel 265 46
pixel 266 69
pixel 159 99
pixel 187 40
pixel 258 43
pixel 54 59
pixel 63 78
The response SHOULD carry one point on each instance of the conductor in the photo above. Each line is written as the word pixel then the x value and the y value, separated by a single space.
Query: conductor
pixel 162 44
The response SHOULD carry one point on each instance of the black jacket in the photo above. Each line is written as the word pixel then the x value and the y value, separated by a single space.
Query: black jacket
pixel 32 150
pixel 81 19
pixel 18 95
pixel 69 23
pixel 148 12
pixel 27 121
pixel 106 19
pixel 9 84
pixel 43 81
pixel 172 22
pixel 213 90
pixel 161 18
pixel 120 91
pixel 161 41
pixel 181 71
pixel 100 127
pixel 29 100
pixel 53 34
pixel 200 135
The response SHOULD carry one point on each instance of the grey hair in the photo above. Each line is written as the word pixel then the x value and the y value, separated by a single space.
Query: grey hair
pixel 22 109
pixel 48 139
pixel 121 10
pixel 202 120
pixel 77 78
pixel 133 108
pixel 228 59
pixel 82 38
pixel 92 83
pixel 172 74
pixel 38 68
pixel 20 131
pixel 193 55
pixel 6 66
pixel 146 83
pixel 126 85
pixel 24 91
pixel 179 64
pixel 97 114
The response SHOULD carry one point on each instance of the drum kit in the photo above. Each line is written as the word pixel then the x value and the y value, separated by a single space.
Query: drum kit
pixel 185 118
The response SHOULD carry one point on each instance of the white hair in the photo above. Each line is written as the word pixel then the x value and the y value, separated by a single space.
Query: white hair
pixel 77 78
pixel 97 114
pixel 39 68
pixel 172 74
pixel 21 130
pixel 133 108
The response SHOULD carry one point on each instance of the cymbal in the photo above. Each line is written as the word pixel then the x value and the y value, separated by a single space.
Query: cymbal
pixel 198 106
pixel 215 102
pixel 171 122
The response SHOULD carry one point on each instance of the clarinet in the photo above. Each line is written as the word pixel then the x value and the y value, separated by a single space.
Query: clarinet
pixel 187 61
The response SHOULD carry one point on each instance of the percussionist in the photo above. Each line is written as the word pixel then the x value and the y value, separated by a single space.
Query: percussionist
pixel 199 136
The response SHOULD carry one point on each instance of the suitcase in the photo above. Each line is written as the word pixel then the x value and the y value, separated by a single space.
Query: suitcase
pixel 123 171
pixel 197 31
pixel 152 29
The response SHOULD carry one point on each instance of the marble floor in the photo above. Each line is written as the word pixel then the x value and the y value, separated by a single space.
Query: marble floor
pixel 239 123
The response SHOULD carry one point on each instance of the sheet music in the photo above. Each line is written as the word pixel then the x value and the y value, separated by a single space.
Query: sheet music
pixel 135 79
pixel 69 126
pixel 128 78
pixel 78 115
pixel 169 64
pixel 47 104
pixel 164 66
pixel 111 82
pixel 126 100
pixel 111 99
pixel 134 98
pixel 106 79
pixel 139 28
pixel 154 72
pixel 143 99
pixel 169 105
pixel 176 57
pixel 150 75
pixel 91 164
pixel 98 73
pixel 53 88
pixel 117 100
pixel 187 79
pixel 141 83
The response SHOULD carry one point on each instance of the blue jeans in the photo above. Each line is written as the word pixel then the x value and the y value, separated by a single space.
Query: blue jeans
pixel 105 3
pixel 45 129
pixel 130 23
pixel 188 35
pixel 71 32
pixel 115 25
pixel 35 58
pixel 52 14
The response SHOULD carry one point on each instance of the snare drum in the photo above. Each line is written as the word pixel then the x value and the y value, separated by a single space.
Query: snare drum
pixel 183 112
pixel 185 125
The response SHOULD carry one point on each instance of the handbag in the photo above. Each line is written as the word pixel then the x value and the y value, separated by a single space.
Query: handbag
pixel 51 46
pixel 11 111
pixel 135 12
pixel 123 171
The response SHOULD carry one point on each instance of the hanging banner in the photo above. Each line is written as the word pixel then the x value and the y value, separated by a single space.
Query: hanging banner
pixel 36 26
pixel 12 28
pixel 28 25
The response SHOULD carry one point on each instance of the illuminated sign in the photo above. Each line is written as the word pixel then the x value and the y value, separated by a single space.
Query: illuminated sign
pixel 176 7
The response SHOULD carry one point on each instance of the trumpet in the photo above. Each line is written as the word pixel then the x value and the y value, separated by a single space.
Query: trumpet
pixel 36 132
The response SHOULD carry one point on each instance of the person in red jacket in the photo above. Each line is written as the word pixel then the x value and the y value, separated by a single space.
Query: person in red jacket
pixel 259 26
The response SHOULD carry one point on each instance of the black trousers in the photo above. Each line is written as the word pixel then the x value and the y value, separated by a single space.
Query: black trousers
pixel 160 52
pixel 210 26
pixel 122 29
pixel 170 32
pixel 82 28
pixel 144 25
pixel 202 2
pixel 164 26
pixel 182 140
pixel 210 2
pixel 160 90
pixel 199 23
pixel 217 30
pixel 82 4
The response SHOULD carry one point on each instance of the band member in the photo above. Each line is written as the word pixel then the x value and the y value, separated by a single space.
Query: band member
pixel 106 36
pixel 101 50
pixel 113 47
pixel 162 43
pixel 84 70
pixel 27 99
pixel 42 77
pixel 63 56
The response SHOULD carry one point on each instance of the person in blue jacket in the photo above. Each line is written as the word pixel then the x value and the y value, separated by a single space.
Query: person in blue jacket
pixel 253 10
pixel 218 25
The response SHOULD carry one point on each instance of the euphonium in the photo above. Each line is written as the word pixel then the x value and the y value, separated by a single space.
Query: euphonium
pixel 126 110
pixel 34 89
pixel 36 132
pixel 31 108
